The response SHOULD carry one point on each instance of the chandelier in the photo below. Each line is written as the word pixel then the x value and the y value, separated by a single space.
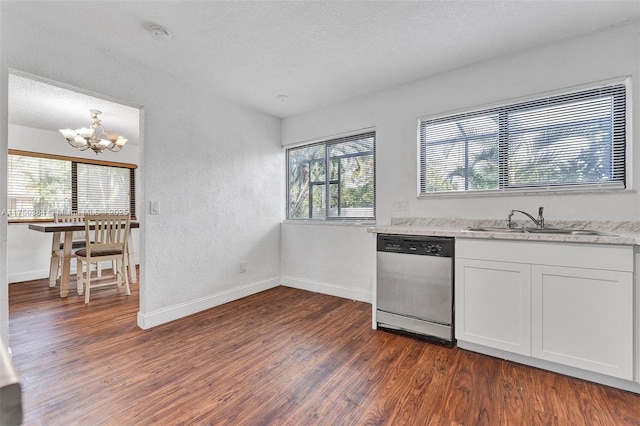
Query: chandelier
pixel 94 137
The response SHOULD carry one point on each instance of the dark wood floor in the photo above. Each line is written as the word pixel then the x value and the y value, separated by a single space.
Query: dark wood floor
pixel 280 357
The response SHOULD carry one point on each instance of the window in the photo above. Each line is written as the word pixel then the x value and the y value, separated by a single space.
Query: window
pixel 575 140
pixel 334 179
pixel 38 185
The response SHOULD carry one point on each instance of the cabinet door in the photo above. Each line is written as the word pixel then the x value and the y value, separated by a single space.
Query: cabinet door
pixel 583 318
pixel 493 304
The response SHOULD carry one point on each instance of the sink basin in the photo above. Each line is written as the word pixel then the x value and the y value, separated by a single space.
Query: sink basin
pixel 567 231
pixel 490 229
pixel 541 231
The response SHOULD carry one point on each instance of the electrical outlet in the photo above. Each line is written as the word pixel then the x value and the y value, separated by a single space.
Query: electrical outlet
pixel 243 266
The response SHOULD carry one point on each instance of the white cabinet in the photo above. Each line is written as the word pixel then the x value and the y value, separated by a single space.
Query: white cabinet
pixel 569 304
pixel 493 304
pixel 583 318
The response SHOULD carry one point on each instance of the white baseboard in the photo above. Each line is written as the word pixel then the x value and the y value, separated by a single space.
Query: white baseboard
pixel 171 313
pixel 28 276
pixel 44 273
pixel 151 319
pixel 327 288
pixel 35 275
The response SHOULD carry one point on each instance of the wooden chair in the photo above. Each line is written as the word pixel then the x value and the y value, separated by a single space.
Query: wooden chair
pixel 109 244
pixel 57 245
pixel 55 269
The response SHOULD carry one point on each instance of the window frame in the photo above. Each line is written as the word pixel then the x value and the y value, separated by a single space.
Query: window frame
pixel 627 182
pixel 327 182
pixel 74 162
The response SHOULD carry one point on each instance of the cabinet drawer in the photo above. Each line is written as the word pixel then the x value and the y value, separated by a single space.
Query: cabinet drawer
pixel 593 256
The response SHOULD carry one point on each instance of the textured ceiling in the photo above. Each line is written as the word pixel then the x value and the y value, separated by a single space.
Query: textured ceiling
pixel 316 52
pixel 37 104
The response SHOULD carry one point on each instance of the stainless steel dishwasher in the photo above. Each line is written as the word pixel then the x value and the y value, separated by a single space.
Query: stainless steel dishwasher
pixel 415 285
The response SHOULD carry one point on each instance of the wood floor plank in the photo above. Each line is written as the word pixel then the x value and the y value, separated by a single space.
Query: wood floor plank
pixel 279 357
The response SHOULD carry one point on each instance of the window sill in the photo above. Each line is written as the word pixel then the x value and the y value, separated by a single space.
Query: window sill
pixel 28 221
pixel 592 189
pixel 354 223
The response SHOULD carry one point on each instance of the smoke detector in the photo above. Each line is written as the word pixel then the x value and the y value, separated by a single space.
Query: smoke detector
pixel 160 33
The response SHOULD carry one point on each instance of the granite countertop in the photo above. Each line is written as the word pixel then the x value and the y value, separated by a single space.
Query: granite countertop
pixel 621 233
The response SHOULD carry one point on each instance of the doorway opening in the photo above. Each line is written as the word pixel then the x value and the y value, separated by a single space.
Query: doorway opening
pixel 37 109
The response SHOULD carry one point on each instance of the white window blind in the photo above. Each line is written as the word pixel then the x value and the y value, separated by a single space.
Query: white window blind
pixel 334 179
pixel 37 187
pixel 558 142
pixel 103 188
pixel 40 185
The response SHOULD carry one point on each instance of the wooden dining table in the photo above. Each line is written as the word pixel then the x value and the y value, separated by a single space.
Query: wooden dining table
pixel 68 228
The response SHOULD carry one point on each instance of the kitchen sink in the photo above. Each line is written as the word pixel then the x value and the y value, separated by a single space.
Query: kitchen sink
pixel 560 231
pixel 567 231
pixel 490 229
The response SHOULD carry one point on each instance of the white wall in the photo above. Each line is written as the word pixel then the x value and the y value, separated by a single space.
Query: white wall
pixel 330 259
pixel 394 113
pixel 214 166
pixel 4 293
pixel 29 251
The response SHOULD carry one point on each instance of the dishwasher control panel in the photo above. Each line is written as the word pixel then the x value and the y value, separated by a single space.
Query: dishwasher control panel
pixel 410 244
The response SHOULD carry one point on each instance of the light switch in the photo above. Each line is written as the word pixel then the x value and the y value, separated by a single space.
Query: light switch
pixel 154 207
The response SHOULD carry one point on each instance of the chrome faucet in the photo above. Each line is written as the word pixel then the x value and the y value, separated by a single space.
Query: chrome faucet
pixel 539 222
